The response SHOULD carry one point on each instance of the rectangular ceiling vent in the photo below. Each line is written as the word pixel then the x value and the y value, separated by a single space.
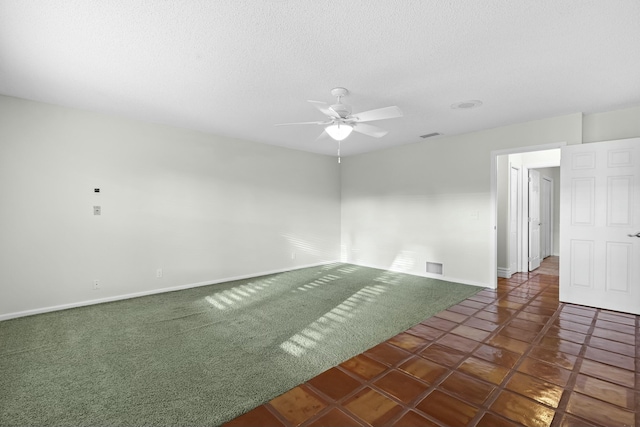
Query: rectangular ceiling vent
pixel 429 135
pixel 434 267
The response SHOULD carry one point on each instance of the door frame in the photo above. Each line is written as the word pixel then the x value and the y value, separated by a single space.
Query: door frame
pixel 493 209
pixel 515 218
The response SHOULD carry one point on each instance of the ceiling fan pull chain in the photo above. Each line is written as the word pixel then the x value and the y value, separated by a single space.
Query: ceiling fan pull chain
pixel 339 151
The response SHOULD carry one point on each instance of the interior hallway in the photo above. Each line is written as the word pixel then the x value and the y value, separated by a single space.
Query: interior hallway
pixel 505 357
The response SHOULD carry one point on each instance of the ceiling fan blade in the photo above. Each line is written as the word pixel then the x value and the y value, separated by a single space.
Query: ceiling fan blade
pixel 379 114
pixel 303 123
pixel 325 109
pixel 323 135
pixel 369 130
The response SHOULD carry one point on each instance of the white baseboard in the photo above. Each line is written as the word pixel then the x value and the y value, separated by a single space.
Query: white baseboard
pixel 152 292
pixel 425 274
pixel 504 272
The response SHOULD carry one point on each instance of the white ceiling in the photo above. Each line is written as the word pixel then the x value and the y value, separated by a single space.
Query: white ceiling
pixel 237 67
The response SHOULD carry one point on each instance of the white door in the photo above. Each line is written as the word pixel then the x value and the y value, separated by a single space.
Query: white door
pixel 534 219
pixel 514 214
pixel 599 218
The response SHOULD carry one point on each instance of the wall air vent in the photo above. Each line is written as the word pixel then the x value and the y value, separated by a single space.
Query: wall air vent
pixel 434 267
pixel 429 135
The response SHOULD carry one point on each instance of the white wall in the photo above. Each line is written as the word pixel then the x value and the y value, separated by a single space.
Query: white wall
pixel 202 208
pixel 610 125
pixel 431 201
pixel 206 208
pixel 536 159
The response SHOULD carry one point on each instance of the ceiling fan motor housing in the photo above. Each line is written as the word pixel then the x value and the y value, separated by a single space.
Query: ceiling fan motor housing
pixel 341 109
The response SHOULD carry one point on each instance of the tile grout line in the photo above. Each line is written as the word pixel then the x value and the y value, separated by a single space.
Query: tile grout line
pixel 450 370
pixel 573 377
pixel 493 396
pixel 501 387
pixel 431 386
pixel 370 382
pixel 483 408
pixel 277 414
pixel 364 382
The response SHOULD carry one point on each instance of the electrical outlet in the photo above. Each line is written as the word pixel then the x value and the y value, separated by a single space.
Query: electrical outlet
pixel 159 273
pixel 96 285
pixel 293 255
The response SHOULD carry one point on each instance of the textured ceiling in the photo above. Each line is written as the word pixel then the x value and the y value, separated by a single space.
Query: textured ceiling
pixel 236 68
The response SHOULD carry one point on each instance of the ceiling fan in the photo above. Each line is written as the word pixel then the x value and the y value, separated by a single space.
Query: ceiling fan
pixel 341 122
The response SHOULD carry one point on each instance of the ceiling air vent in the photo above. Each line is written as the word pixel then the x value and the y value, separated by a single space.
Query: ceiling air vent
pixel 429 135
pixel 466 105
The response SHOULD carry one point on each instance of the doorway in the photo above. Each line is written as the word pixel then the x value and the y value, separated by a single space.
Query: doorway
pixel 510 201
pixel 544 212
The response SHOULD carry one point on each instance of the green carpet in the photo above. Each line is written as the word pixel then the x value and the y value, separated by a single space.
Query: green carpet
pixel 205 355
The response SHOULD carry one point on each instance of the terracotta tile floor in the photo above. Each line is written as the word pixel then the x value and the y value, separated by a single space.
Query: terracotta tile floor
pixel 504 357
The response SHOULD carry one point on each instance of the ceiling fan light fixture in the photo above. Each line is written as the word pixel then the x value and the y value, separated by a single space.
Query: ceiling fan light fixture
pixel 339 131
